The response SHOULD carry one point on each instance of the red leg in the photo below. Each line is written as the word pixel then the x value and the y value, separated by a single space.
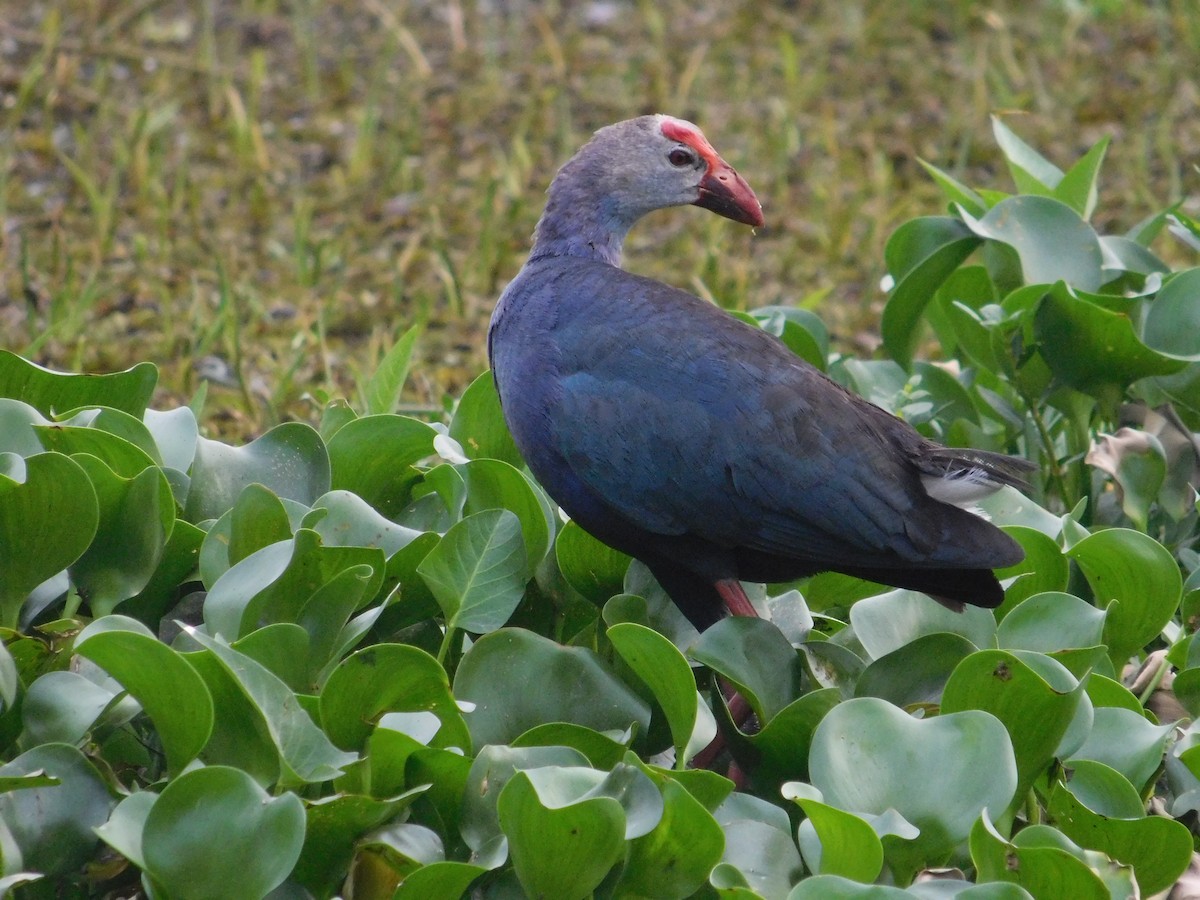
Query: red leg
pixel 735 598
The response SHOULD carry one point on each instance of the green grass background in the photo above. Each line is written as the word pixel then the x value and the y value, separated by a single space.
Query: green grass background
pixel 273 191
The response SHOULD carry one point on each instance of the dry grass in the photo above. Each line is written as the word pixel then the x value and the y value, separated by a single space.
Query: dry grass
pixel 281 188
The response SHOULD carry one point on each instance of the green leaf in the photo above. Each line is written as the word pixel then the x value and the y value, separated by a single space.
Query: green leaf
pixel 1051 621
pixel 47 521
pixel 170 691
pixel 1033 696
pixel 560 851
pixel 307 754
pixel 955 191
pixel 349 521
pixel 1125 741
pixel 920 255
pixel 478 571
pixel 1158 849
pixel 478 424
pixel 1138 573
pixel 492 484
pixel 136 518
pixel 757 658
pixel 886 622
pixel 593 568
pixel 1031 171
pixel 374 456
pixel 868 757
pixel 387 381
pixel 61 707
pixel 666 673
pixel 518 680
pixel 212 828
pixel 290 460
pixel 123 830
pixel 175 434
pixel 1077 188
pixel 1172 325
pixel 388 678
pixel 445 880
pixel 847 845
pixel 52 826
pixel 57 392
pixel 1044 871
pixel 1093 349
pixel 915 673
pixel 1051 240
pixel 800 329
pixel 1044 568
pixel 760 852
pixel 675 858
pixel 177 564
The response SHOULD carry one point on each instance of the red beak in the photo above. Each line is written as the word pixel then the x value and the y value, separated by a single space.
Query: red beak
pixel 726 193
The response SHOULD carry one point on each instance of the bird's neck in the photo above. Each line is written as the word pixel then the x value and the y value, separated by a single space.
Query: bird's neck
pixel 578 223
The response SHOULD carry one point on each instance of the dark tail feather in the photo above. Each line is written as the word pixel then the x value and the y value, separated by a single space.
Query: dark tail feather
pixel 950 587
pixel 999 468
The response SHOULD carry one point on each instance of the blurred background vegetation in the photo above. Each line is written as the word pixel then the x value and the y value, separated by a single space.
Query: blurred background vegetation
pixel 265 193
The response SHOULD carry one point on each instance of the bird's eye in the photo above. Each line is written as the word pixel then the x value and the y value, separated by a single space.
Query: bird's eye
pixel 680 158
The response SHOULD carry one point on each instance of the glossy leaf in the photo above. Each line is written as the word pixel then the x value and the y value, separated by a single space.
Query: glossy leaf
pixel 845 845
pixel 170 691
pixel 478 423
pixel 888 621
pixel 386 382
pixel 755 656
pixel 518 680
pixel 674 859
pixel 478 571
pixel 214 827
pixel 592 568
pixel 290 460
pixel 373 457
pixel 47 521
pixel 56 392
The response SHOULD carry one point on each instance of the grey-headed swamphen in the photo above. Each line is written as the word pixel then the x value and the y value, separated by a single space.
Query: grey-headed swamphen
pixel 702 445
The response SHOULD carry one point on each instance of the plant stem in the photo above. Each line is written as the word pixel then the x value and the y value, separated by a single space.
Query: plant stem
pixel 1056 472
pixel 444 649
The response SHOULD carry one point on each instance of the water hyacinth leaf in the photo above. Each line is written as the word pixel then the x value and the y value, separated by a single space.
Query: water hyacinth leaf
pixel 51 826
pixel 1140 575
pixel 754 655
pixel 666 673
pixel 349 521
pixel 333 825
pixel 1125 741
pixel 122 456
pixel 920 255
pixel 835 887
pixel 373 457
pixel 136 518
pixel 55 392
pixel 123 830
pixel 781 747
pixel 1051 240
pixel 446 880
pixel 916 673
pixel 215 827
pixel 478 571
pixel 560 851
pixel 1032 172
pixel 258 519
pixel 386 382
pixel 275 583
pixel 1044 871
pixel 170 691
pixel 1158 849
pixel 290 460
pixel 1051 621
pixel 1092 349
pixel 492 769
pixel 16 427
pixel 177 564
pixel 388 678
pixel 218 535
pixel 954 190
pixel 592 568
pixel 492 484
pixel 1172 324
pixel 478 423
pixel 306 753
pixel 1077 188
pixel 1033 696
pixel 674 859
pixel 60 707
pixel 1044 567
pixel 282 649
pixel 517 680
pixel 47 522
pixel 760 852
pixel 602 752
pixel 886 622
pixel 868 757
pixel 800 329
pixel 175 433
pixel 844 844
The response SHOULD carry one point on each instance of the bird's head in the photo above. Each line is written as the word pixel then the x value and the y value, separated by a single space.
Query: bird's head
pixel 653 162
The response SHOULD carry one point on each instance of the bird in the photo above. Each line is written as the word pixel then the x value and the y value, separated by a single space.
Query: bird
pixel 702 445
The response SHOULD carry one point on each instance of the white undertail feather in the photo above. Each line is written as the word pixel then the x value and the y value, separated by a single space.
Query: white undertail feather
pixel 961 487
